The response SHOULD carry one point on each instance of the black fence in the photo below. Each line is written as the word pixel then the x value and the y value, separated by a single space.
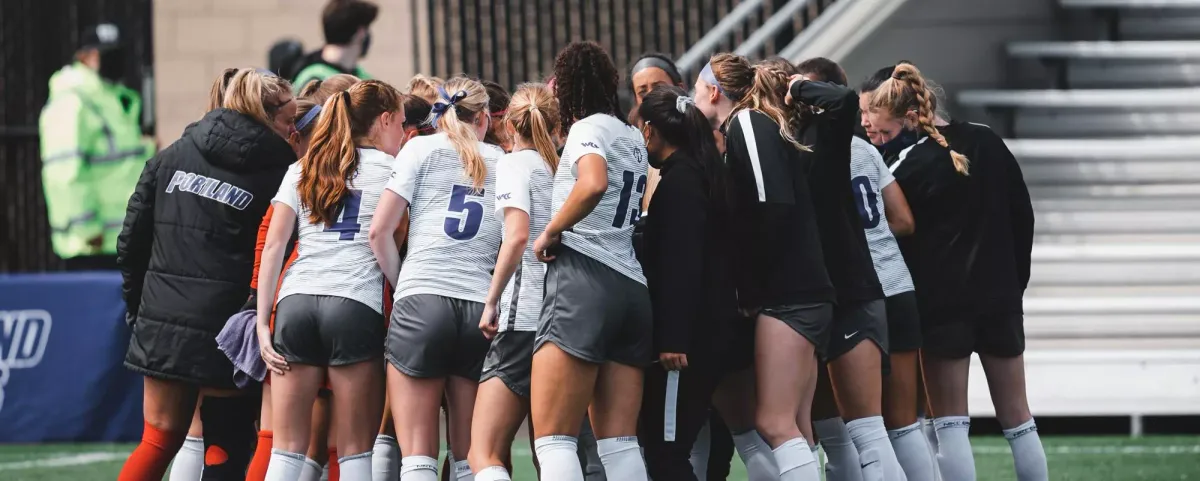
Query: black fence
pixel 38 37
pixel 513 41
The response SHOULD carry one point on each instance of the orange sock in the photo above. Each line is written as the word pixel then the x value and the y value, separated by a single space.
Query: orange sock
pixel 262 457
pixel 335 473
pixel 150 460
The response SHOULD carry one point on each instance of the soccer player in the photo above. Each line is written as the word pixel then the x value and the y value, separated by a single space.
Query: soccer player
pixel 781 269
pixel 685 254
pixel 498 100
pixel 593 337
pixel 330 309
pixel 649 71
pixel 524 181
pixel 447 182
pixel 969 261
pixel 196 208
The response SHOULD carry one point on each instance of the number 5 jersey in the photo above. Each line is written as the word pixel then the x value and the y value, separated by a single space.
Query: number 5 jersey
pixel 335 259
pixel 606 234
pixel 453 234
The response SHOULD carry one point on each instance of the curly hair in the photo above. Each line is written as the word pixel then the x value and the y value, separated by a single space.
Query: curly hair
pixel 586 82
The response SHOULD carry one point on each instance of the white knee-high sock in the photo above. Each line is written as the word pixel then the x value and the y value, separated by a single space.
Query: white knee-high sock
pixel 493 473
pixel 878 460
pixel 385 462
pixel 912 450
pixel 558 459
pixel 285 466
pixel 418 468
pixel 955 459
pixel 622 458
pixel 816 451
pixel 311 471
pixel 796 461
pixel 841 456
pixel 1029 457
pixel 356 467
pixel 931 440
pixel 700 452
pixel 189 461
pixel 756 455
pixel 462 471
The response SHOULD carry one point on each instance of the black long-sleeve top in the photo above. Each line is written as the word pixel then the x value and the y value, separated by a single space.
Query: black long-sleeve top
pixel 970 253
pixel 780 259
pixel 828 134
pixel 688 264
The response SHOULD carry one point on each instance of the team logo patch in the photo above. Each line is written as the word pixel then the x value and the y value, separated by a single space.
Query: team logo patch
pixel 590 144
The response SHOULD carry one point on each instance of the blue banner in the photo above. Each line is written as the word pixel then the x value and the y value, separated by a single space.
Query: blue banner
pixel 62 343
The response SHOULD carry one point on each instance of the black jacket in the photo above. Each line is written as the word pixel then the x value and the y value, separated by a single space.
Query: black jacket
pixel 688 264
pixel 781 261
pixel 843 240
pixel 186 251
pixel 970 253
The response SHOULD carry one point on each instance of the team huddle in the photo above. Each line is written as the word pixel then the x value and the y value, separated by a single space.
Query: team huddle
pixel 740 262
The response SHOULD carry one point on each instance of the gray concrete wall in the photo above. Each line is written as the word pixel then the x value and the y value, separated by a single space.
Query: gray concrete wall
pixel 959 43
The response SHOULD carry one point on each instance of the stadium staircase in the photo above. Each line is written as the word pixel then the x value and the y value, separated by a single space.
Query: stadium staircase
pixel 1111 155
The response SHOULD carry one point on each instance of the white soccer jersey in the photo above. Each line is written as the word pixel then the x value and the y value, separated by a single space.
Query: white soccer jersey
pixel 453 238
pixel 606 234
pixel 336 259
pixel 868 176
pixel 523 182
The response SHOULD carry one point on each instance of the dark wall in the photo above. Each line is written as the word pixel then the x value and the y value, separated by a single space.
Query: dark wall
pixel 38 37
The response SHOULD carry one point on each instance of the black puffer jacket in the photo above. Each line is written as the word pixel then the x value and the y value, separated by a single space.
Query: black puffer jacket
pixel 186 251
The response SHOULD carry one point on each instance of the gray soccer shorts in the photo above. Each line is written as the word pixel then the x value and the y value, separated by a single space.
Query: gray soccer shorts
pixel 854 322
pixel 595 313
pixel 434 336
pixel 510 359
pixel 810 320
pixel 327 330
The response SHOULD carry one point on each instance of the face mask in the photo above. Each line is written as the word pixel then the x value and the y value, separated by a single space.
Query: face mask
pixel 366 45
pixel 901 141
pixel 112 65
pixel 652 158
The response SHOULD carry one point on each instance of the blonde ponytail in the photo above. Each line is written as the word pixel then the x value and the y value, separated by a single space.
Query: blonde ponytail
pixel 533 113
pixel 760 88
pixel 216 94
pixel 460 102
pixel 907 91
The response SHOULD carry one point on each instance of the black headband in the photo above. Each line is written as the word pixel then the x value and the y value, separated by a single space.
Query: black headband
pixel 655 62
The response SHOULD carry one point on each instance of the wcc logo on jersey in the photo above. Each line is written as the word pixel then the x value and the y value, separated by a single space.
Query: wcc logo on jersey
pixel 23 338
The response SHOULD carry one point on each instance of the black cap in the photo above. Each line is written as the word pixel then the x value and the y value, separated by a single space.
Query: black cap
pixel 105 36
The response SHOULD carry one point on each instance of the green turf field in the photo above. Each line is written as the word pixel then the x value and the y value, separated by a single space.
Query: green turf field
pixel 1071 459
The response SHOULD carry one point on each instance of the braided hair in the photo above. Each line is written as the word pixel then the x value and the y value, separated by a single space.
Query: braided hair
pixel 906 91
pixel 586 83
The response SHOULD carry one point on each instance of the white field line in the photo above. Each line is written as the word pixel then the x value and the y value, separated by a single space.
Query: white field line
pixel 65 460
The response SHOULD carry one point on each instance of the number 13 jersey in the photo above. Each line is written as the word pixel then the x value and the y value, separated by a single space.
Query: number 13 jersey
pixel 453 235
pixel 606 234
pixel 336 259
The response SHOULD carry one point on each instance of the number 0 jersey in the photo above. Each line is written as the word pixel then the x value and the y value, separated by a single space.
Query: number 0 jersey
pixel 868 176
pixel 523 182
pixel 336 259
pixel 453 236
pixel 606 234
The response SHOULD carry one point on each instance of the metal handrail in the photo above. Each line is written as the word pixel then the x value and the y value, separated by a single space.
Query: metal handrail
pixel 789 52
pixel 708 43
pixel 770 27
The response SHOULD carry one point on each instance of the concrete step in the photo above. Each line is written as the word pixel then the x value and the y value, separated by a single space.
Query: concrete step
pixel 1106 238
pixel 1101 290
pixel 1107 204
pixel 1174 50
pixel 1116 191
pixel 1092 74
pixel 1130 4
pixel 1094 124
pixel 1180 148
pixel 1112 317
pixel 1182 24
pixel 1114 99
pixel 1118 222
pixel 1116 265
pixel 1087 172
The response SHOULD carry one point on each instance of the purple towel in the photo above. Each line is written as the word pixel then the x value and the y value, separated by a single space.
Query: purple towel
pixel 239 341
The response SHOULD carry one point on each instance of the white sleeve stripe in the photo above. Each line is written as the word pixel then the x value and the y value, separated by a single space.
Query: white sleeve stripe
pixel 752 148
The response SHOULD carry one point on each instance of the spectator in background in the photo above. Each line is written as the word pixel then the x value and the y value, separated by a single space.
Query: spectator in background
pixel 92 151
pixel 346 24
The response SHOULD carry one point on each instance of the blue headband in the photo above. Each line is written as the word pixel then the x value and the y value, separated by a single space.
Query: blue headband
pixel 308 118
pixel 708 76
pixel 440 108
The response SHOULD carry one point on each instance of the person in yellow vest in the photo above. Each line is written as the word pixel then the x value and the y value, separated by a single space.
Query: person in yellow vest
pixel 92 151
pixel 346 24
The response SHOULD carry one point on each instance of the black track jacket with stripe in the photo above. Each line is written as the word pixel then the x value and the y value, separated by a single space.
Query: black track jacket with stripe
pixel 780 260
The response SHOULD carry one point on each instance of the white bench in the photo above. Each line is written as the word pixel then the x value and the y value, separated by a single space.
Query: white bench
pixel 1130 3
pixel 1118 222
pixel 1125 50
pixel 1135 99
pixel 1156 148
pixel 1116 265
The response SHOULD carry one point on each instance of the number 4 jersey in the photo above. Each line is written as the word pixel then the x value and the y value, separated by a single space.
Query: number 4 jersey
pixel 453 234
pixel 335 259
pixel 606 234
